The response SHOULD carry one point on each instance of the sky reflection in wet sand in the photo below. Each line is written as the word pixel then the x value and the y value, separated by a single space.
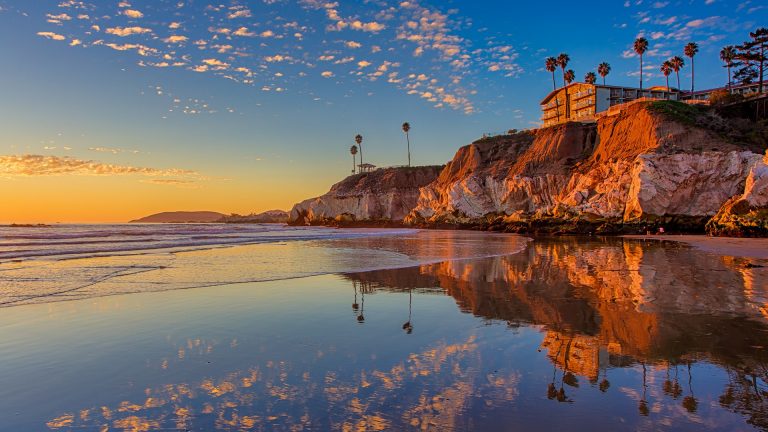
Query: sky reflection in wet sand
pixel 585 335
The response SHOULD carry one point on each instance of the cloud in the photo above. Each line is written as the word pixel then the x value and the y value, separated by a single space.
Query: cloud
pixel 327 74
pixel 38 165
pixel 133 13
pixel 127 31
pixel 51 35
pixel 175 39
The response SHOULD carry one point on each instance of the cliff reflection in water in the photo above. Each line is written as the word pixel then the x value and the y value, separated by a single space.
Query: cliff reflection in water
pixel 621 303
pixel 677 336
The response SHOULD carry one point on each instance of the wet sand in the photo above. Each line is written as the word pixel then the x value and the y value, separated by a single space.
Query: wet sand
pixel 730 246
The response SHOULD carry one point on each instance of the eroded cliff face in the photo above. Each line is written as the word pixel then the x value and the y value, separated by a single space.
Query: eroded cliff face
pixel 382 195
pixel 636 166
pixel 746 214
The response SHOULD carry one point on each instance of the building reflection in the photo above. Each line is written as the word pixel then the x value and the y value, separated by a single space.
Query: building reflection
pixel 602 308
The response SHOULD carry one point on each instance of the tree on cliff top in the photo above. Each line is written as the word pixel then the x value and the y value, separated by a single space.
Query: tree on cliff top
pixel 677 64
pixel 728 55
pixel 590 78
pixel 562 61
pixel 690 51
pixel 640 47
pixel 406 129
pixel 550 64
pixel 359 141
pixel 604 69
pixel 755 51
pixel 666 69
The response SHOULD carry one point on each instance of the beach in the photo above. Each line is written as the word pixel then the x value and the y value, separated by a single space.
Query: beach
pixel 440 330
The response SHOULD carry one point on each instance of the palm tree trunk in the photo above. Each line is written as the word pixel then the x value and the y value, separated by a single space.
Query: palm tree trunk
pixel 678 80
pixel 354 160
pixel 693 74
pixel 408 138
pixel 641 75
pixel 729 77
pixel 554 85
pixel 361 156
pixel 667 83
pixel 603 79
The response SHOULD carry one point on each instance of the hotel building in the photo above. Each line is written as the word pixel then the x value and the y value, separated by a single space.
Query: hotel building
pixel 582 101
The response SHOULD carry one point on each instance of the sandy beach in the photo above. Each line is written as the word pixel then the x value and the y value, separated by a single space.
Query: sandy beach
pixel 731 246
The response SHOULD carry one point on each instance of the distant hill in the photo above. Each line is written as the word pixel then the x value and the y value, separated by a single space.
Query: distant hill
pixel 182 217
pixel 271 216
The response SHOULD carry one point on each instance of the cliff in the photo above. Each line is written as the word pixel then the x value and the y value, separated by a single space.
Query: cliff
pixel 654 164
pixel 382 196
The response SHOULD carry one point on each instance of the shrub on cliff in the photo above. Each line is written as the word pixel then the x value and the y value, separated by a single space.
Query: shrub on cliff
pixel 724 97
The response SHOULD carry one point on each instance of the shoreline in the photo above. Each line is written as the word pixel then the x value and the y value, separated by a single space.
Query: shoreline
pixel 756 248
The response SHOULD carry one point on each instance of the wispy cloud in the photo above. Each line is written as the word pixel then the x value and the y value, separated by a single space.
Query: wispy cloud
pixel 40 165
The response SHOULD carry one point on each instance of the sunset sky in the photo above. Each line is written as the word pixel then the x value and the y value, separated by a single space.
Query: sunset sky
pixel 112 110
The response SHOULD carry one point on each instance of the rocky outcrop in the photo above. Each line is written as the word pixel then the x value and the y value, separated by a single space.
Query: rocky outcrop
pixel 746 214
pixel 382 196
pixel 650 164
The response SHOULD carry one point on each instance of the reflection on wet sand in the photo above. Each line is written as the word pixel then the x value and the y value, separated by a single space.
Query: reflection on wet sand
pixel 644 321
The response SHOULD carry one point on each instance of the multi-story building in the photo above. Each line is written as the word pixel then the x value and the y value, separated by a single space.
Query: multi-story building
pixel 582 101
pixel 742 89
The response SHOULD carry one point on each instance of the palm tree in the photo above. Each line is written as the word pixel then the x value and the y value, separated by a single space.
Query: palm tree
pixel 353 150
pixel 641 46
pixel 406 129
pixel 728 55
pixel 666 69
pixel 551 65
pixel 359 141
pixel 590 78
pixel 677 64
pixel 690 51
pixel 569 76
pixel 562 61
pixel 604 69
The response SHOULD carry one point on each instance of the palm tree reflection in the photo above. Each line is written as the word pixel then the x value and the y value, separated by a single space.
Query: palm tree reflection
pixel 408 326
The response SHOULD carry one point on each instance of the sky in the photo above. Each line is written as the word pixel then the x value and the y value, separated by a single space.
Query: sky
pixel 112 110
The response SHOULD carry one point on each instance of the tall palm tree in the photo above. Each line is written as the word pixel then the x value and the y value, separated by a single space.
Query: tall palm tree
pixel 590 78
pixel 666 69
pixel 690 51
pixel 406 129
pixel 562 61
pixel 353 150
pixel 569 76
pixel 604 69
pixel 640 47
pixel 359 141
pixel 551 65
pixel 677 64
pixel 728 55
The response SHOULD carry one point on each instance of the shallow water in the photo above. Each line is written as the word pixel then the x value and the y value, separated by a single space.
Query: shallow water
pixel 578 334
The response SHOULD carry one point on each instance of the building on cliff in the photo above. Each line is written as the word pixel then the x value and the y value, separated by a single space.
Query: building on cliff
pixel 582 101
